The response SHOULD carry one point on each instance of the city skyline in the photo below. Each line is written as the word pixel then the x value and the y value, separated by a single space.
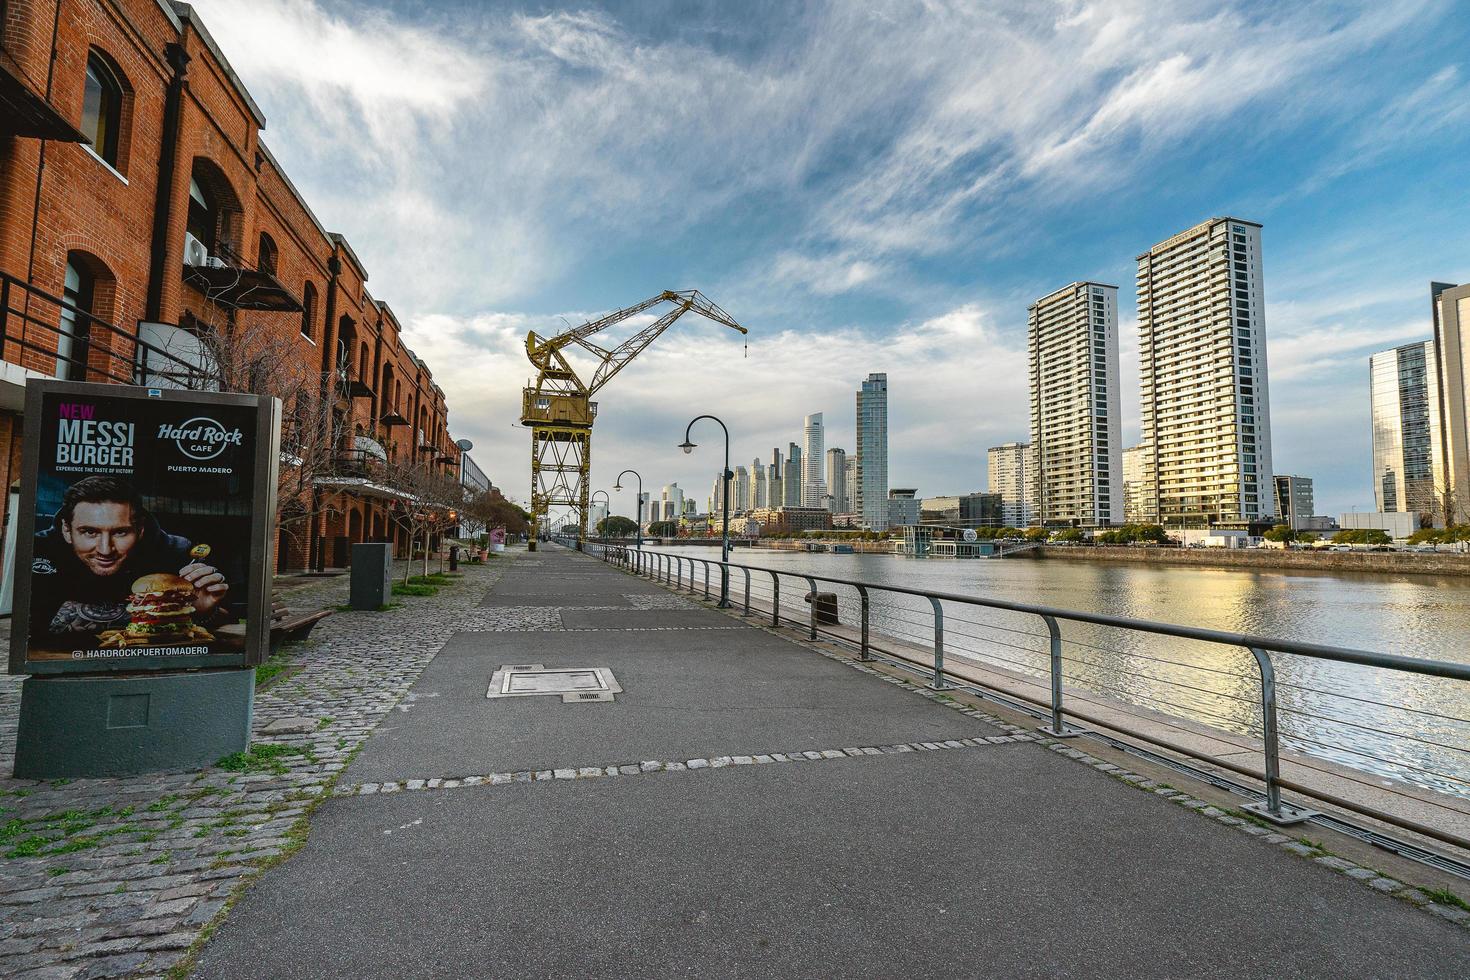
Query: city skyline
pixel 840 277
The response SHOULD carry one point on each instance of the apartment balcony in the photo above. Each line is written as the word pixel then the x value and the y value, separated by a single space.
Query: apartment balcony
pixel 223 277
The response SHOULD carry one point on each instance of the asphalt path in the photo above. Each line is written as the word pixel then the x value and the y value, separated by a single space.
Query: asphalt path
pixel 1000 860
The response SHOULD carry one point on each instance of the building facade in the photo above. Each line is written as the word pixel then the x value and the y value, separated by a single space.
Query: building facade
pixel 670 503
pixel 1008 472
pixel 791 479
pixel 836 500
pixel 1205 405
pixel 903 508
pixel 1452 346
pixel 1408 435
pixel 870 489
pixel 142 214
pixel 740 491
pixel 1076 429
pixel 757 485
pixel 773 521
pixel 1134 511
pixel 813 482
pixel 966 510
pixel 1294 501
pixel 849 498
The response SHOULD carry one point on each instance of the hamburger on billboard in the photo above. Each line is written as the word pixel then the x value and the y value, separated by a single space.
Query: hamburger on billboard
pixel 146 546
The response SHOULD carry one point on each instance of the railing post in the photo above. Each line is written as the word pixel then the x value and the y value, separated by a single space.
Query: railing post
pixel 1272 808
pixel 775 597
pixel 679 572
pixel 706 577
pixel 938 683
pixel 1058 728
pixel 747 591
pixel 811 600
pixel 863 594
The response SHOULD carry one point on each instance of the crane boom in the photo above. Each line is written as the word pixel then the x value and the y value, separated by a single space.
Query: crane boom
pixel 558 409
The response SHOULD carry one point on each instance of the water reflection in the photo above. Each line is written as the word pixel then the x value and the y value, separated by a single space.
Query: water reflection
pixel 1408 726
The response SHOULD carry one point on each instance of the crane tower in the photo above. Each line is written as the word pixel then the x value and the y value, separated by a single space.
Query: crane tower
pixel 558 406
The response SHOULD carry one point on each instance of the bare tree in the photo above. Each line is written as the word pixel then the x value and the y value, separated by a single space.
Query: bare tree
pixel 430 497
pixel 256 353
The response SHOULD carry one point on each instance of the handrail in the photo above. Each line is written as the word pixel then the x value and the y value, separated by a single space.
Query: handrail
pixel 34 338
pixel 1437 668
pixel 1260 647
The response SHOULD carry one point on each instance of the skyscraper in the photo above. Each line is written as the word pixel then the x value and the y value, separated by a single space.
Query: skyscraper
pixel 775 485
pixel 837 480
pixel 1408 437
pixel 1076 429
pixel 871 494
pixel 1452 346
pixel 849 485
pixel 1009 473
pixel 670 503
pixel 740 491
pixel 1133 507
pixel 1205 407
pixel 813 485
pixel 757 485
pixel 791 480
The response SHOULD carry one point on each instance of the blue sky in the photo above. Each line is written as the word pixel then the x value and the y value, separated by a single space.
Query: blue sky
pixel 875 186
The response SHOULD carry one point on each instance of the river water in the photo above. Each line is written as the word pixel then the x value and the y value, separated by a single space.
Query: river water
pixel 1412 727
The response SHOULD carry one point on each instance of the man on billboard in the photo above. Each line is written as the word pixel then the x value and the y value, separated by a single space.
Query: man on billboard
pixel 106 568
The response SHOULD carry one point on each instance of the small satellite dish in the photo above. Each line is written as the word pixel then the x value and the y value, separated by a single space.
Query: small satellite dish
pixel 464 445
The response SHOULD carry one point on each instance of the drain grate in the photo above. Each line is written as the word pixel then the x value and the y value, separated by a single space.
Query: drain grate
pixel 573 684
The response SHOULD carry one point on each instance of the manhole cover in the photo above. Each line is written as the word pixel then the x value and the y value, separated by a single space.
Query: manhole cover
pixel 574 684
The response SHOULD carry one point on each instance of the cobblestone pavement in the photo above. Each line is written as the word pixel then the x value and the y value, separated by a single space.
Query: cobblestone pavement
pixel 119 877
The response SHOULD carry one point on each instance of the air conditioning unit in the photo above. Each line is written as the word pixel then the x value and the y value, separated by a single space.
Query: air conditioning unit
pixel 215 262
pixel 194 251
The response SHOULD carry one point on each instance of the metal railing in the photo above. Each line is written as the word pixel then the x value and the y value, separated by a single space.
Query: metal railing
pixel 669 569
pixel 52 337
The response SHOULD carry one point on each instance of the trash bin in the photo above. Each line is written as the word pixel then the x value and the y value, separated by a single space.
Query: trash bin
pixel 454 558
pixel 824 607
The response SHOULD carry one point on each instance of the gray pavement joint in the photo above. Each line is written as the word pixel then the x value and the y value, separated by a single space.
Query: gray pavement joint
pixel 655 765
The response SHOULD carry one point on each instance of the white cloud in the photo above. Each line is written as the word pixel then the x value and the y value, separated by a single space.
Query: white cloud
pixel 476 155
pixel 955 388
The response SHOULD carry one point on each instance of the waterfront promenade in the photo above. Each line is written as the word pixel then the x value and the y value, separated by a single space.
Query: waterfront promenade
pixel 746 803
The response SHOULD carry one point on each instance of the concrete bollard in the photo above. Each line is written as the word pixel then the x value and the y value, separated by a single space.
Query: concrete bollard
pixel 372 575
pixel 824 607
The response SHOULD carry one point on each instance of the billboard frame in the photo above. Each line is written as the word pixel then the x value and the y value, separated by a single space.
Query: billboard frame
pixel 256 650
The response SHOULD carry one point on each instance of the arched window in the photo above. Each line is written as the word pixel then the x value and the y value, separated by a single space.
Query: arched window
pixel 308 310
pixel 102 98
pixel 73 325
pixel 203 216
pixel 266 258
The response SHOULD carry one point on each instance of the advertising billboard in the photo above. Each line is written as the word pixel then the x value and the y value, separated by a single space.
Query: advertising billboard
pixel 145 523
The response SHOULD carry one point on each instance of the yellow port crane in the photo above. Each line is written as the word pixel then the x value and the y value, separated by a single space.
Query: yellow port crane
pixel 559 410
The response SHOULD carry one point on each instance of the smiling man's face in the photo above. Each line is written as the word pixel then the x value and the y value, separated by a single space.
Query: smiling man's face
pixel 101 534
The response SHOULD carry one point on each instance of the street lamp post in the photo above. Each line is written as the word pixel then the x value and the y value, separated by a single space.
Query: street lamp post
pixel 606 501
pixel 618 485
pixel 725 476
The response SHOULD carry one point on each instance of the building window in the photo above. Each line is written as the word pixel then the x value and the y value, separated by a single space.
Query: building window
pixel 102 98
pixel 266 257
pixel 203 217
pixel 308 310
pixel 73 325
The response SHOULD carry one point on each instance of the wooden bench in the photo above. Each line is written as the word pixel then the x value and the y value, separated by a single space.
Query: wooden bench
pixel 291 627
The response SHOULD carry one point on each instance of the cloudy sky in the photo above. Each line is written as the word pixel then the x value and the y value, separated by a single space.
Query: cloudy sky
pixel 868 186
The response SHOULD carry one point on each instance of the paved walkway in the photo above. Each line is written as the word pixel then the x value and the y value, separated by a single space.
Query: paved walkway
pixel 747 805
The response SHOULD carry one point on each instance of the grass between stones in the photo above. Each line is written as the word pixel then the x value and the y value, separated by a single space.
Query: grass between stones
pixel 262 757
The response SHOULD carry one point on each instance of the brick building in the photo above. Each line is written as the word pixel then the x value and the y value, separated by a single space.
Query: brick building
pixel 142 219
